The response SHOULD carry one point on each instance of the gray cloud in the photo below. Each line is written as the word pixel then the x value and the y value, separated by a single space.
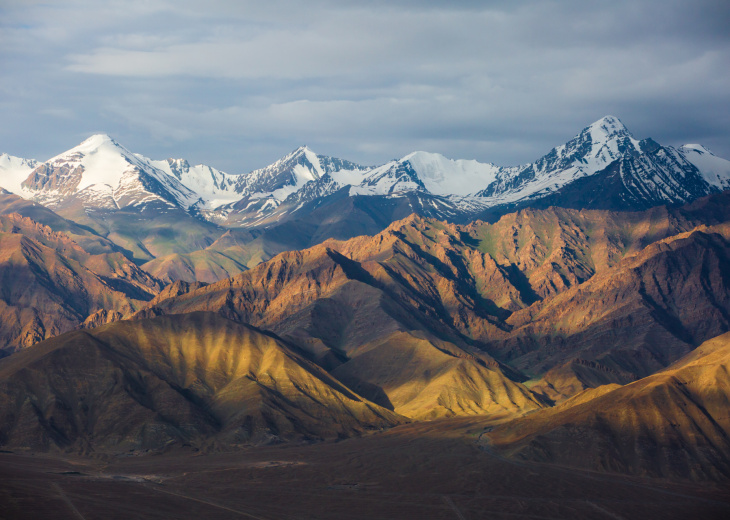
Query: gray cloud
pixel 237 84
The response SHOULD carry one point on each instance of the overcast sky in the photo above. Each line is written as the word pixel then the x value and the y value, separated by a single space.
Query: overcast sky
pixel 238 84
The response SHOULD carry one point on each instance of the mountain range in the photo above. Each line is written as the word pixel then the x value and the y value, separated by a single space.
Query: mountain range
pixel 304 198
pixel 574 310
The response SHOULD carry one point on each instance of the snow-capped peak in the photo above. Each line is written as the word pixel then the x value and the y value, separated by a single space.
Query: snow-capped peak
pixel 309 161
pixel 212 187
pixel 104 161
pixel 97 143
pixel 293 171
pixel 103 173
pixel 606 128
pixel 313 159
pixel 597 146
pixel 591 151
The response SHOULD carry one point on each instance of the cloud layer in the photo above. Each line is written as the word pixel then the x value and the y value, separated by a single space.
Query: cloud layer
pixel 238 84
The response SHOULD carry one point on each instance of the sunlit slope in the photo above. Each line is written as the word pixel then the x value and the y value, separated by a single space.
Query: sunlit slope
pixel 356 303
pixel 422 377
pixel 197 378
pixel 673 423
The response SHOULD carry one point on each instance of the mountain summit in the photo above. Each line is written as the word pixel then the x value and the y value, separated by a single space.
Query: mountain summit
pixel 603 167
pixel 101 173
pixel 591 151
pixel 642 173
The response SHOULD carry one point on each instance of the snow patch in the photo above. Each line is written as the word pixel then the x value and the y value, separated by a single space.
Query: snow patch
pixel 442 176
pixel 13 171
pixel 715 170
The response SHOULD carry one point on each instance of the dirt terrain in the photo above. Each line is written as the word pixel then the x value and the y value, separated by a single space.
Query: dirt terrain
pixel 430 470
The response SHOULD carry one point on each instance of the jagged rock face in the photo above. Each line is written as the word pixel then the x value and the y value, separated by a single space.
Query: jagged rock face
pixel 672 424
pixel 176 289
pixel 197 379
pixel 62 178
pixel 639 316
pixel 49 285
pixel 536 289
pixel 102 317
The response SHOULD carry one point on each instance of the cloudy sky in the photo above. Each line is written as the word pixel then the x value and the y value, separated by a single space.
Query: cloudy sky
pixel 238 84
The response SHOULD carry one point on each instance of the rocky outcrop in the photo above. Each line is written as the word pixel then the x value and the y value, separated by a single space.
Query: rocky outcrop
pixel 50 285
pixel 635 318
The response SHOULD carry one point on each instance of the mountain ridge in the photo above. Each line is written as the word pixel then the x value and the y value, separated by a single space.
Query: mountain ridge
pixel 217 195
pixel 534 290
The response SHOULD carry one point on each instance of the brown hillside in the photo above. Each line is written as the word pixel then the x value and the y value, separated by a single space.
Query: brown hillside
pixel 639 313
pixel 635 318
pixel 356 302
pixel 425 378
pixel 675 423
pixel 50 285
pixel 198 379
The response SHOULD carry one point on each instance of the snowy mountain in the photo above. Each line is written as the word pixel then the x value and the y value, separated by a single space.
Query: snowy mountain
pixel 430 172
pixel 14 170
pixel 212 187
pixel 591 151
pixel 715 170
pixel 649 174
pixel 293 180
pixel 604 157
pixel 292 172
pixel 139 204
pixel 101 173
pixel 640 173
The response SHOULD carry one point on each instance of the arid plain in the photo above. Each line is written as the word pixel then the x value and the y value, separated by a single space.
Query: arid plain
pixel 430 470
